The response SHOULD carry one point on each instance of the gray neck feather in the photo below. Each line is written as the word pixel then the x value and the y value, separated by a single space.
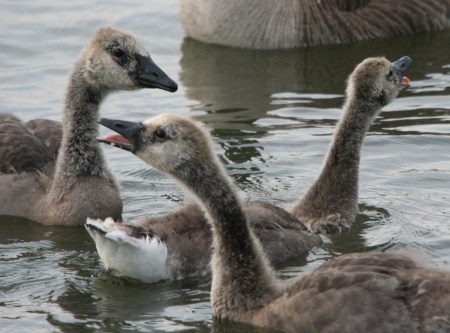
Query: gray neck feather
pixel 345 150
pixel 210 184
pixel 79 155
pixel 241 275
pixel 336 189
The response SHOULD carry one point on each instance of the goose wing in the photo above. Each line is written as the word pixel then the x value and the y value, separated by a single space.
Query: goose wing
pixel 349 293
pixel 282 235
pixel 20 149
pixel 48 131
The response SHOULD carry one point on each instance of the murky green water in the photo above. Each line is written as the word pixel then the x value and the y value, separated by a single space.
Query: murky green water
pixel 272 115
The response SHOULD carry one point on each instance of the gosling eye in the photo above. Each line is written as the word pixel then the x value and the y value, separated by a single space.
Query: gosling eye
pixel 118 52
pixel 160 134
pixel 390 74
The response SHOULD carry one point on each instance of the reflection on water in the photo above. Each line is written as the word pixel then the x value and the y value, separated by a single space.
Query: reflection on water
pixel 210 73
pixel 272 115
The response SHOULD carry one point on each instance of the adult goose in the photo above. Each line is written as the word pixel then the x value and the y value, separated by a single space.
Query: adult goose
pixel 57 175
pixel 280 24
pixel 177 245
pixel 371 292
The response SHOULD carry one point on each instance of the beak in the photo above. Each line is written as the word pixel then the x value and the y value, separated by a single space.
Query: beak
pixel 401 66
pixel 127 130
pixel 151 76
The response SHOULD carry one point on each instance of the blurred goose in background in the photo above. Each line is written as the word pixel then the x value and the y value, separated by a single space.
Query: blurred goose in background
pixel 372 292
pixel 55 174
pixel 183 239
pixel 331 203
pixel 281 24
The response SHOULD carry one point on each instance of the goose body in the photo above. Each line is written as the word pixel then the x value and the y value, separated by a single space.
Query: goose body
pixel 278 24
pixel 371 292
pixel 55 174
pixel 178 245
pixel 331 203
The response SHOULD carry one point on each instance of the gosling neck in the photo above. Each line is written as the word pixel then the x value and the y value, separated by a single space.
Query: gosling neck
pixel 336 189
pixel 345 149
pixel 79 155
pixel 209 182
pixel 242 278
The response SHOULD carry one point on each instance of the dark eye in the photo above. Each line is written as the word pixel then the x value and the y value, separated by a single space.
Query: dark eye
pixel 118 52
pixel 160 134
pixel 390 73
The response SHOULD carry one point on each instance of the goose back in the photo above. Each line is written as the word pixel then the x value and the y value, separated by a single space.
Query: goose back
pixel 20 149
pixel 384 292
pixel 274 24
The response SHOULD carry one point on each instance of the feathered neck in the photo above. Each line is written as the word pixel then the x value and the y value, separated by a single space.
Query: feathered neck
pixel 79 155
pixel 242 277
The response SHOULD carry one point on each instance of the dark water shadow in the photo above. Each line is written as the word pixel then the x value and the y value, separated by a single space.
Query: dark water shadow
pixel 18 229
pixel 353 240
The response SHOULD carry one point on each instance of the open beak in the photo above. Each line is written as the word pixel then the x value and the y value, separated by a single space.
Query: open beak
pixel 401 66
pixel 126 130
pixel 151 76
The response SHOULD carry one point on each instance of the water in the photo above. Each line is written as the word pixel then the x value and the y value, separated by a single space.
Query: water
pixel 271 114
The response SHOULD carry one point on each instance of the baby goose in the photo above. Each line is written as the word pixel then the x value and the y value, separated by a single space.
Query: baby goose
pixel 179 244
pixel 372 292
pixel 77 184
pixel 331 203
pixel 280 24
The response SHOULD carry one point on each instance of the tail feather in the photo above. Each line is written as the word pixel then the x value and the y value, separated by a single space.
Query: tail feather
pixel 142 256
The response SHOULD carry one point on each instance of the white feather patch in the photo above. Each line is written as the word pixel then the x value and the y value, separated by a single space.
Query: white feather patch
pixel 144 259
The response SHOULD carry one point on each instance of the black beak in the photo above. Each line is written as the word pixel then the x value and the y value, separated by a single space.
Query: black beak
pixel 128 129
pixel 402 65
pixel 151 76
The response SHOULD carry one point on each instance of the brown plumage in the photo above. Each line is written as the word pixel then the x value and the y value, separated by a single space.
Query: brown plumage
pixel 329 206
pixel 187 237
pixel 27 147
pixel 354 293
pixel 274 24
pixel 372 292
pixel 55 174
pixel 184 236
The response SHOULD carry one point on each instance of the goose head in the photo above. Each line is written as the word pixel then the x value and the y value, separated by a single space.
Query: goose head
pixel 168 142
pixel 117 60
pixel 377 81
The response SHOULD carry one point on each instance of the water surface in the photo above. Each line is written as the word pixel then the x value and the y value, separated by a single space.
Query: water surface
pixel 271 113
